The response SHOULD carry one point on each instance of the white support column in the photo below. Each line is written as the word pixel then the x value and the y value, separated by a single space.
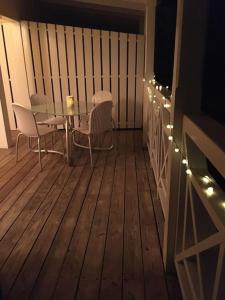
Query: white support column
pixel 5 133
pixel 149 56
pixel 186 99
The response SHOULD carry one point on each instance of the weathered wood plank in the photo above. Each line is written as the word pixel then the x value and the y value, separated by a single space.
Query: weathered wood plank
pixel 70 272
pixel 133 283
pixel 11 268
pixel 34 261
pixel 111 285
pixel 154 276
pixel 92 268
pixel 16 230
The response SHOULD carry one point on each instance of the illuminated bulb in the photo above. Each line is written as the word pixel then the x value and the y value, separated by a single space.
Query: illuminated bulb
pixel 206 179
pixel 167 87
pixel 223 204
pixel 160 88
pixel 150 81
pixel 157 87
pixel 154 101
pixel 170 138
pixel 188 172
pixel 169 126
pixel 163 98
pixel 143 79
pixel 176 150
pixel 210 191
pixel 153 76
pixel 184 161
pixel 166 105
pixel 154 96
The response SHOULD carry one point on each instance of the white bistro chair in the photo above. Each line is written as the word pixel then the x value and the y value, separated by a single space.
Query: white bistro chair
pixel 28 127
pixel 98 97
pixel 101 96
pixel 100 121
pixel 45 119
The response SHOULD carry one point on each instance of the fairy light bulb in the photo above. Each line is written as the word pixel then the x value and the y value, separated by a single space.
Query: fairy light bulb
pixel 170 138
pixel 167 87
pixel 206 179
pixel 143 79
pixel 176 150
pixel 188 172
pixel 223 204
pixel 184 161
pixel 157 87
pixel 160 88
pixel 150 81
pixel 166 105
pixel 169 126
pixel 210 191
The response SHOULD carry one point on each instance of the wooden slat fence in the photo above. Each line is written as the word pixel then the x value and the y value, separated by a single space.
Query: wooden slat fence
pixel 61 60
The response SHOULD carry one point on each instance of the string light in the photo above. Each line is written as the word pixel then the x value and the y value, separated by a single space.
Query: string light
pixel 150 81
pixel 143 79
pixel 210 190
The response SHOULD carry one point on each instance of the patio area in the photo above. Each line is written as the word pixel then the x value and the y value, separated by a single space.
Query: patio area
pixel 75 232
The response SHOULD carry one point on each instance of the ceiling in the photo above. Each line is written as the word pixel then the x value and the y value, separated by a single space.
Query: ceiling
pixel 137 6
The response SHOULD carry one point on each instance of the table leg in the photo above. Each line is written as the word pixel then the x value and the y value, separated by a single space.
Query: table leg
pixel 67 125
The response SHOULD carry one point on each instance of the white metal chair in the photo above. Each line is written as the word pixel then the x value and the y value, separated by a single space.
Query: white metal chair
pixel 100 121
pixel 98 97
pixel 28 127
pixel 101 96
pixel 45 119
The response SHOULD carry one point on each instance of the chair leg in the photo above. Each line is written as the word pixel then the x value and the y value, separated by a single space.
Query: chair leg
pixel 52 135
pixel 89 142
pixel 45 144
pixel 39 152
pixel 112 137
pixel 17 144
pixel 63 144
pixel 30 143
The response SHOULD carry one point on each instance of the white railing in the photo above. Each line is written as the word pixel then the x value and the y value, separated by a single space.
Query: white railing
pixel 200 245
pixel 158 132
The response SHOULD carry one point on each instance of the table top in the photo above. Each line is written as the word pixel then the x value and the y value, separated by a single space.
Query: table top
pixel 64 108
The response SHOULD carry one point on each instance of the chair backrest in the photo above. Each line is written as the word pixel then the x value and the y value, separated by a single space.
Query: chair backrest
pixel 101 96
pixel 38 99
pixel 101 118
pixel 25 120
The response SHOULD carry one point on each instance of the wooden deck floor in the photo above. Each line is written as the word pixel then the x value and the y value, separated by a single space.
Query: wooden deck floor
pixel 76 232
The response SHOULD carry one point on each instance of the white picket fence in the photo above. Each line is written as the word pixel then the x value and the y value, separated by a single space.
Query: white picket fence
pixel 62 60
